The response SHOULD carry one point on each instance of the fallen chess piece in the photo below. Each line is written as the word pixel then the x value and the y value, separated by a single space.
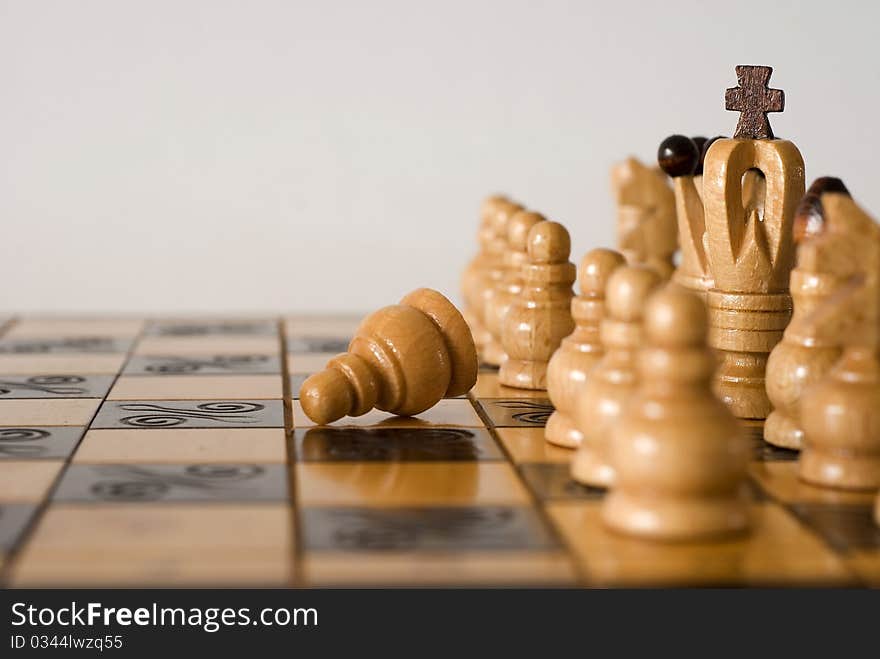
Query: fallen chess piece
pixel 403 359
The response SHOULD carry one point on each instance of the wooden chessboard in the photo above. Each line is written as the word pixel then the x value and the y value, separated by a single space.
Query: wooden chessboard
pixel 168 452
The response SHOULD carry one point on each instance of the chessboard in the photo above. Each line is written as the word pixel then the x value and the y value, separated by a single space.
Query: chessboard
pixel 174 452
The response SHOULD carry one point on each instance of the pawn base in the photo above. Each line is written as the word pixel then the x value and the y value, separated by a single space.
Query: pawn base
pixel 839 470
pixel 523 374
pixel 745 400
pixel 588 468
pixel 561 431
pixel 782 431
pixel 493 354
pixel 676 519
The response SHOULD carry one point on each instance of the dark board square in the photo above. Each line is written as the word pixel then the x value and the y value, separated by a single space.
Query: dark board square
pixel 190 414
pixel 395 444
pixel 203 365
pixel 843 527
pixel 297 345
pixel 28 443
pixel 198 482
pixel 451 529
pixel 86 344
pixel 55 386
pixel 765 452
pixel 554 481
pixel 182 328
pixel 517 412
pixel 14 519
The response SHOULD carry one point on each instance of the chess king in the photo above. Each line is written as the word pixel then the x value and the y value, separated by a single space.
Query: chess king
pixel 749 241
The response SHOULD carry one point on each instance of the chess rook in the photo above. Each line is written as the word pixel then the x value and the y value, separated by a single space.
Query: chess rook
pixel 493 353
pixel 579 352
pixel 511 283
pixel 613 380
pixel 646 227
pixel 679 456
pixel 540 317
pixel 402 359
pixel 802 358
pixel 840 414
pixel 750 250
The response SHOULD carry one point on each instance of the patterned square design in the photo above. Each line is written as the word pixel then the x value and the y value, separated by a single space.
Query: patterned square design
pixel 203 365
pixel 298 345
pixel 28 443
pixel 54 386
pixel 183 328
pixel 451 529
pixel 395 444
pixel 76 344
pixel 14 518
pixel 517 412
pixel 197 482
pixel 845 528
pixel 190 414
pixel 554 481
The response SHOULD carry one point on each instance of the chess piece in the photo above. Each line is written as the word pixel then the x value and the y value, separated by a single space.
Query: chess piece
pixel 540 317
pixel 511 283
pixel 475 273
pixel 613 380
pixel 802 358
pixel 402 359
pixel 581 350
pixel 679 455
pixel 493 353
pixel 682 159
pixel 840 414
pixel 646 227
pixel 749 243
pixel 877 510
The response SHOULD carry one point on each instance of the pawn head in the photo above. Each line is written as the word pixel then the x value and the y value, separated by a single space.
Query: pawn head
pixel 518 229
pixel 490 206
pixel 675 317
pixel 548 242
pixel 499 220
pixel 596 269
pixel 628 289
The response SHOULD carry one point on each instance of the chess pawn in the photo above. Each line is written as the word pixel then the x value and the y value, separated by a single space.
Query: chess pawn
pixel 581 350
pixel 511 283
pixel 646 226
pixel 679 455
pixel 613 380
pixel 475 273
pixel 841 421
pixel 801 358
pixel 403 359
pixel 840 414
pixel 497 247
pixel 540 317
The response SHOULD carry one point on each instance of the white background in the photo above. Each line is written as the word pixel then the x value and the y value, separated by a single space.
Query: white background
pixel 268 156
